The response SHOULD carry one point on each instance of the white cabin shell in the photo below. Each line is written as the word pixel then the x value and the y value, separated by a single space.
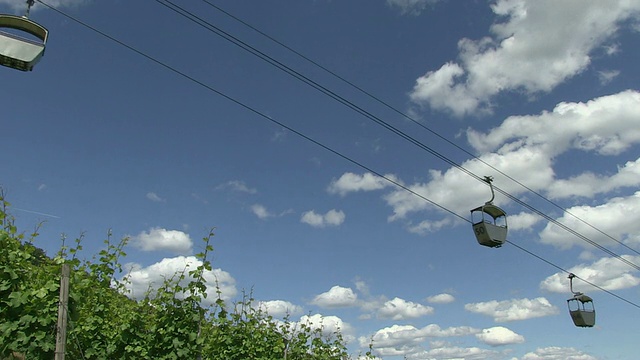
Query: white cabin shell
pixel 582 311
pixel 19 52
pixel 489 225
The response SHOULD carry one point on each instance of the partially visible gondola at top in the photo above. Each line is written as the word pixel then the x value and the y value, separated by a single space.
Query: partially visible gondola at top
pixel 581 308
pixel 489 222
pixel 22 41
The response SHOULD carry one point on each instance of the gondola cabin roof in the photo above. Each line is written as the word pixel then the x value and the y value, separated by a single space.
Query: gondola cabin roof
pixel 582 298
pixel 492 210
pixel 17 51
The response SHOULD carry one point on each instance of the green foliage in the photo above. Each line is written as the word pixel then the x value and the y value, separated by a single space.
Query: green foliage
pixel 170 322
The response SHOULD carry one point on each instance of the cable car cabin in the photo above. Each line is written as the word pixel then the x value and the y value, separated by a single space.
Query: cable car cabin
pixel 17 51
pixel 489 225
pixel 582 311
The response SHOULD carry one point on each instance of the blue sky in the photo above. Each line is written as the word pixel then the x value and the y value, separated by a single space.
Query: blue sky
pixel 98 137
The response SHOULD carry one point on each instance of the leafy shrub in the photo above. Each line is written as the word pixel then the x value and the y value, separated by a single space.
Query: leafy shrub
pixel 170 322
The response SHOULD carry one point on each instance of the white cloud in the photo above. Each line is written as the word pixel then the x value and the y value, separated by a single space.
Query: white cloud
pixel 455 352
pixel 441 91
pixel 350 182
pixel 238 186
pixel 159 239
pixel 140 279
pixel 607 76
pixel 441 299
pixel 337 296
pixel 606 125
pixel 613 48
pixel 608 273
pixel 588 184
pixel 538 45
pixel 331 218
pixel 523 221
pixel 411 7
pixel 439 190
pixel 407 339
pixel 263 213
pixel 557 353
pixel 362 287
pixel 260 211
pixel 513 310
pixel 399 309
pixel 523 147
pixel 279 308
pixel 497 336
pixel 612 218
pixel 329 326
pixel 155 197
pixel 430 226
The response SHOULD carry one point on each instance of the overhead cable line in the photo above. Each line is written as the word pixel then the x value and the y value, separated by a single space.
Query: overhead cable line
pixel 410 118
pixel 249 108
pixel 577 277
pixel 266 117
pixel 234 40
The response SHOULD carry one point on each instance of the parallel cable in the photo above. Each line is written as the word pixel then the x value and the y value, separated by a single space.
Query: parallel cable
pixel 410 118
pixel 264 116
pixel 234 40
pixel 566 271
pixel 247 107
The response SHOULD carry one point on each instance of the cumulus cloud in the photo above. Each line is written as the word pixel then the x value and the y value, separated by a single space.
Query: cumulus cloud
pixel 260 211
pixel 279 308
pixel 407 339
pixel 443 298
pixel 611 218
pixel 608 273
pixel 455 352
pixel 331 218
pixel 399 309
pixel 523 221
pixel 513 310
pixel 437 190
pixel 159 239
pixel 588 184
pixel 557 353
pixel 523 148
pixel 497 336
pixel 350 182
pixel 141 279
pixel 337 296
pixel 536 45
pixel 604 125
pixel 329 326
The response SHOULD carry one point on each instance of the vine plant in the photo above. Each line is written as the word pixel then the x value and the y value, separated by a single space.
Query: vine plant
pixel 169 322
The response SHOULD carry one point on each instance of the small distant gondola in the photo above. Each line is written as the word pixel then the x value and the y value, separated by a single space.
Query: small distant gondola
pixel 581 308
pixel 489 222
pixel 22 41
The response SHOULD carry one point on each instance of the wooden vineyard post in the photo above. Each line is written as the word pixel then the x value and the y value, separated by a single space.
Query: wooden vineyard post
pixel 61 337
